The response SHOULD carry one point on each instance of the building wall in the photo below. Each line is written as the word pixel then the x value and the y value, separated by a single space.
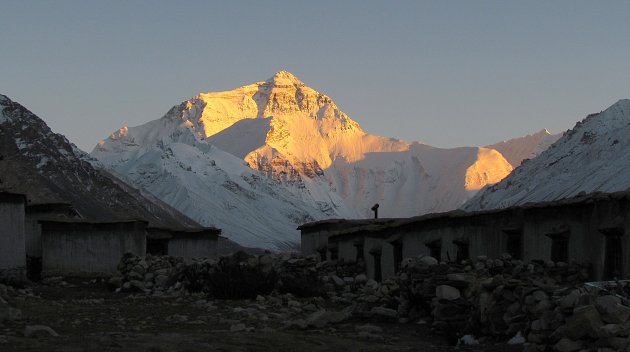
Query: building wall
pixel 311 241
pixel 12 242
pixel 84 249
pixel 33 237
pixel 347 250
pixel 587 223
pixel 190 247
pixel 626 239
pixel 387 261
pixel 371 244
pixel 33 229
pixel 540 222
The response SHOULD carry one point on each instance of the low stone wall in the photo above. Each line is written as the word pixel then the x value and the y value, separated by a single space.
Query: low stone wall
pixel 303 276
pixel 540 304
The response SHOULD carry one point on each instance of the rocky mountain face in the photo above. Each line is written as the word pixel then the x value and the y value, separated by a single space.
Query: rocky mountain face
pixel 261 159
pixel 48 168
pixel 591 157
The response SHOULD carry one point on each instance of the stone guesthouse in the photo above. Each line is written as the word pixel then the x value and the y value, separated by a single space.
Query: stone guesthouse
pixel 185 243
pixel 61 242
pixel 589 229
pixel 12 238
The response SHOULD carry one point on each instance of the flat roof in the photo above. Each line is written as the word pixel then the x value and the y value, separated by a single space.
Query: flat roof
pixel 65 224
pixel 187 230
pixel 49 207
pixel 166 233
pixel 373 227
pixel 349 222
pixel 9 197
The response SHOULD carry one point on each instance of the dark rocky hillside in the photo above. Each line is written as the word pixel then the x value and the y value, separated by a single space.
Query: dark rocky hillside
pixel 48 168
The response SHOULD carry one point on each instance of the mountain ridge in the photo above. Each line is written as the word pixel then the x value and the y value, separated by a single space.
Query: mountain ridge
pixel 591 157
pixel 48 168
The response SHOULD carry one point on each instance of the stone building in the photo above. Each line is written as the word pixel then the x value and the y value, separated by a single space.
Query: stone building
pixel 12 242
pixel 84 248
pixel 588 229
pixel 314 235
pixel 33 231
pixel 186 243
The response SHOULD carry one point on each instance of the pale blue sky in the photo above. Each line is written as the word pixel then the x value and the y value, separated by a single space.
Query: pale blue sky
pixel 449 73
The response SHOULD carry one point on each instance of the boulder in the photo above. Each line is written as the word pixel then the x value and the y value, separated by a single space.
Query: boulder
pixel 446 292
pixel 617 343
pixel 361 279
pixel 323 317
pixel 39 331
pixel 8 313
pixel 338 281
pixel 612 310
pixel 567 345
pixel 569 301
pixel 518 339
pixel 238 327
pixel 373 329
pixel 137 285
pixel 585 322
pixel 427 260
pixel 384 312
pixel 612 330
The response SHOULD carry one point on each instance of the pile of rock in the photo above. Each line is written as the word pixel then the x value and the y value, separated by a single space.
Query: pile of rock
pixel 7 312
pixel 238 275
pixel 545 302
pixel 147 274
pixel 583 318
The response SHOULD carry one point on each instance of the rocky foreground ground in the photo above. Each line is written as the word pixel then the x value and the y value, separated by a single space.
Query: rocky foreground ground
pixel 79 315
pixel 266 302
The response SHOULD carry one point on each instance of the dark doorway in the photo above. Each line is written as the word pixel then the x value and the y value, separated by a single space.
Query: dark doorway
pixel 157 246
pixel 376 254
pixel 463 250
pixel 34 268
pixel 435 249
pixel 560 249
pixel 613 260
pixel 322 253
pixel 514 241
pixel 334 253
pixel 560 244
pixel 377 268
pixel 358 244
pixel 398 255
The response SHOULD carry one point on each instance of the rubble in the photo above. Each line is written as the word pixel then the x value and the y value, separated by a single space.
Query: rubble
pixel 533 303
pixel 8 313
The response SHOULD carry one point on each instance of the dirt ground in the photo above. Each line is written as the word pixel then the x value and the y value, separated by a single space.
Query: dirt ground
pixel 89 317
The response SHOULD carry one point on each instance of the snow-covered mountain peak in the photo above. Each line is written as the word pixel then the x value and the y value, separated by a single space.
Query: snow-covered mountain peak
pixel 622 105
pixel 260 159
pixel 283 79
pixel 619 111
